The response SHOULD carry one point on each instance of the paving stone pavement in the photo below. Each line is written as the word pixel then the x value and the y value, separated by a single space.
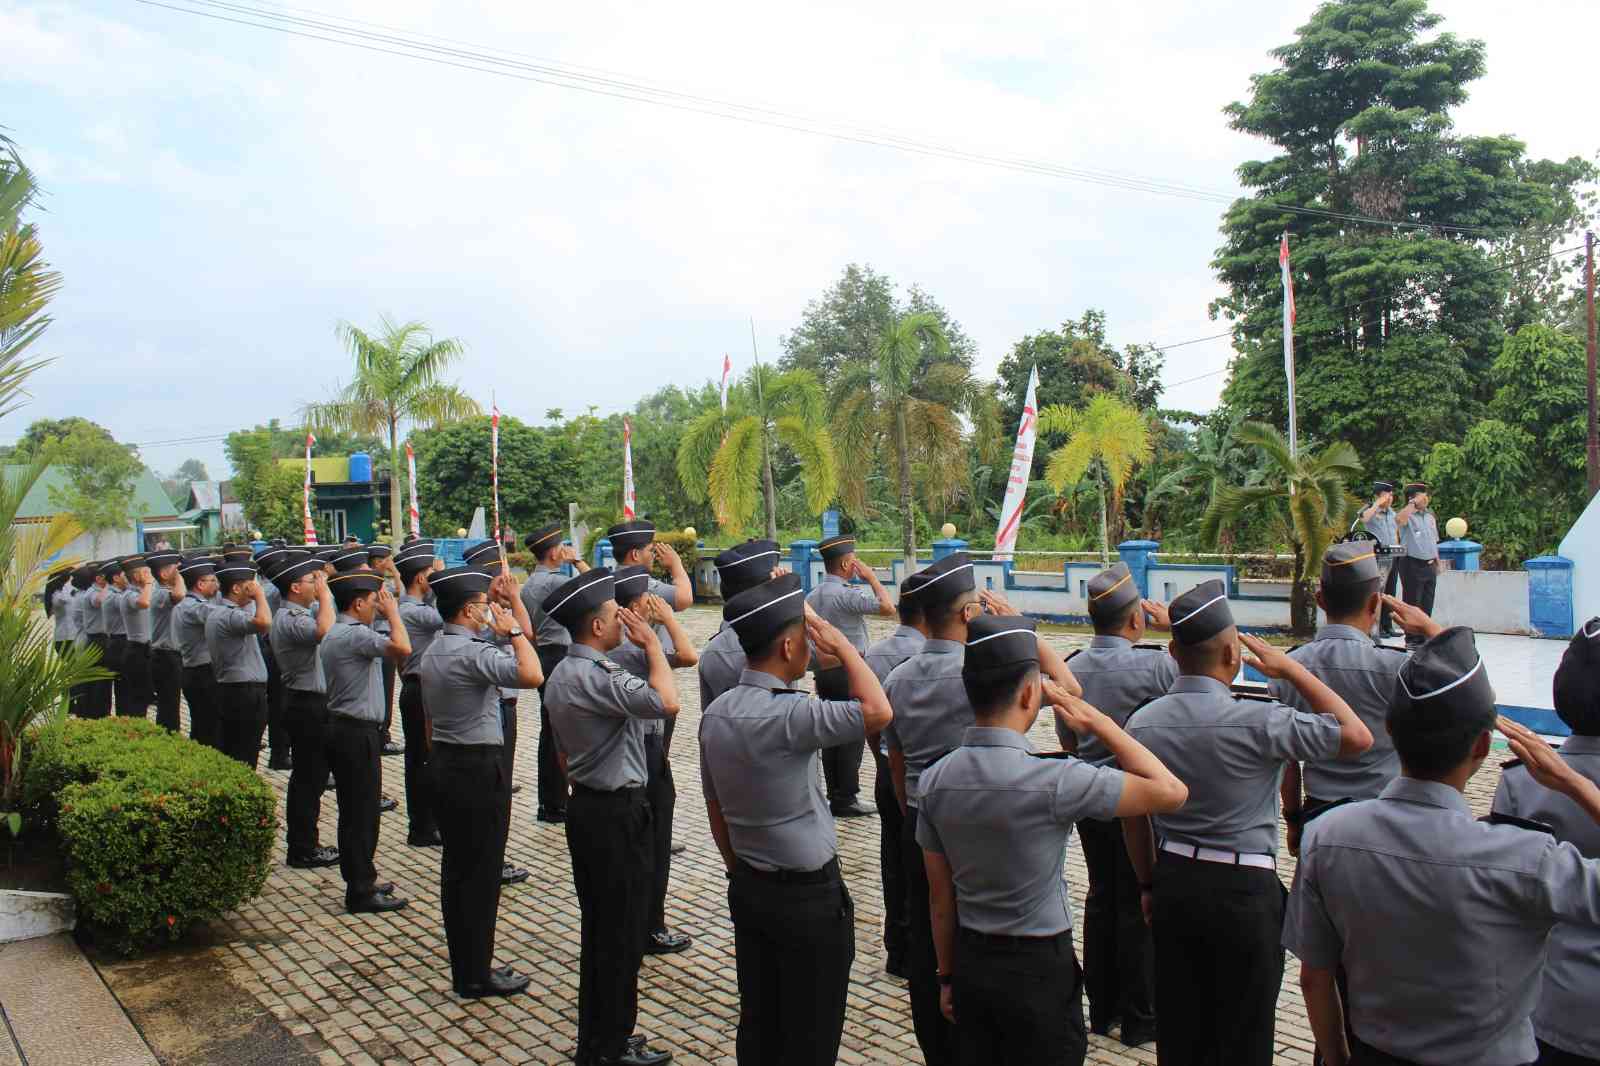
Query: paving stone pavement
pixel 376 988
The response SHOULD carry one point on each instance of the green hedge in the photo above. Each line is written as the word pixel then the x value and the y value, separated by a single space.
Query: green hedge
pixel 158 833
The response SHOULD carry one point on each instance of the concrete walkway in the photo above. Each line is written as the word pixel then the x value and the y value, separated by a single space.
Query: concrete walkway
pixel 58 1012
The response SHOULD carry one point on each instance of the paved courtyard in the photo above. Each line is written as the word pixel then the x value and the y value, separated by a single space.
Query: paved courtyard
pixel 376 988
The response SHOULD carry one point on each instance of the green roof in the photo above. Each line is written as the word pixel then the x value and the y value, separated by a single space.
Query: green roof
pixel 149 498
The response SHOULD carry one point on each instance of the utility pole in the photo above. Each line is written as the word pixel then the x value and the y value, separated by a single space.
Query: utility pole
pixel 1594 417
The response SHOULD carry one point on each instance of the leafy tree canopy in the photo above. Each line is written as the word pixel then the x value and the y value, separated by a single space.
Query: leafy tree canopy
pixel 539 470
pixel 100 478
pixel 844 324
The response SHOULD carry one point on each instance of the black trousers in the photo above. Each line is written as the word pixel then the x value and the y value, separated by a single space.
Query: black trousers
pixel 841 765
pixel 1018 1001
pixel 1219 963
pixel 1550 1055
pixel 354 752
pixel 166 683
pixel 388 700
pixel 793 942
pixel 1391 581
pixel 419 783
pixel 663 796
pixel 278 737
pixel 508 761
pixel 552 782
pixel 609 839
pixel 935 1036
pixel 306 720
pixel 116 651
pixel 75 694
pixel 891 862
pixel 200 693
pixel 133 681
pixel 475 802
pixel 1117 953
pixel 96 699
pixel 1419 581
pixel 242 719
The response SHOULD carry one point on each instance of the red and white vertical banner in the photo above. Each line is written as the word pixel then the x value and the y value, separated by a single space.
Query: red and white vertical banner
pixel 1288 336
pixel 310 529
pixel 411 472
pixel 727 371
pixel 494 467
pixel 1005 538
pixel 627 470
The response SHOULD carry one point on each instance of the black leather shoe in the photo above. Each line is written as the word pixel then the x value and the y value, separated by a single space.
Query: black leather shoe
pixel 1103 1026
pixel 427 839
pixel 1137 1034
pixel 391 748
pixel 385 804
pixel 375 903
pixel 665 942
pixel 512 875
pixel 640 1056
pixel 853 809
pixel 896 966
pixel 676 848
pixel 384 888
pixel 502 982
pixel 314 858
pixel 555 817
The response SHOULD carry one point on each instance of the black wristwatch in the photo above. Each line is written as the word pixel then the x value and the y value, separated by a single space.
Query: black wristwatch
pixel 944 978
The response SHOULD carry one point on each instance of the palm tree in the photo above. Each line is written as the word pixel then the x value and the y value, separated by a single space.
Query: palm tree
pixel 726 456
pixel 26 282
pixel 908 398
pixel 1106 438
pixel 1306 498
pixel 397 380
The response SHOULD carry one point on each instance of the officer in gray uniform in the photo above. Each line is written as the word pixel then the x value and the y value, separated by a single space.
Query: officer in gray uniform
pixel 109 601
pixel 741 567
pixel 1216 901
pixel 297 630
pixel 236 660
pixel 1118 675
pixel 189 633
pixel 1564 1022
pixel 82 582
pixel 166 664
pixel 793 919
pixel 486 557
pixel 634 544
pixel 845 606
pixel 461 676
pixel 1419 567
pixel 280 754
pixel 1361 672
pixel 133 698
pixel 1379 520
pixel 423 623
pixel 994 818
pixel 1440 922
pixel 552 641
pixel 599 713
pixel 96 699
pixel 883 656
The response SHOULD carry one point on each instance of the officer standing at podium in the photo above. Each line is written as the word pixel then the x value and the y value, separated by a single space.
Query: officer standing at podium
pixel 1379 520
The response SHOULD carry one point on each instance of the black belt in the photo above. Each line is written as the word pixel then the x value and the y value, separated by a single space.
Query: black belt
pixel 334 718
pixel 1005 941
pixel 823 874
pixel 487 752
pixel 627 791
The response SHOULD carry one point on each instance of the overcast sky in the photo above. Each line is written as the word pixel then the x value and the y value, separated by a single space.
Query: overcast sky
pixel 220 197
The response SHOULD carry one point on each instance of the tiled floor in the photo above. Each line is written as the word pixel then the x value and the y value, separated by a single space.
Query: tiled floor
pixel 376 988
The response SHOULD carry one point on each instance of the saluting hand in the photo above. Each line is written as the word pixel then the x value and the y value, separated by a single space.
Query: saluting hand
pixel 655 608
pixel 384 600
pixel 636 627
pixel 825 636
pixel 1412 619
pixel 1076 714
pixel 995 603
pixel 500 620
pixel 1264 657
pixel 1157 613
pixel 779 571
pixel 1545 765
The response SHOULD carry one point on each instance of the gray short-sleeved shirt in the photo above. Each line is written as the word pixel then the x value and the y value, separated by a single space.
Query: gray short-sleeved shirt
pixel 722 661
pixel 423 623
pixel 352 664
pixel 1382 526
pixel 633 659
pixel 758 760
pixel 1363 674
pixel 1230 751
pixel 63 614
pixel 161 606
pixel 891 651
pixel 1565 1016
pixel 1439 921
pixel 1420 536
pixel 540 584
pixel 295 646
pixel 846 606
pixel 231 643
pixel 110 602
pixel 599 713
pixel 1001 816
pixel 931 712
pixel 189 630
pixel 1117 676
pixel 89 623
pixel 135 619
pixel 461 677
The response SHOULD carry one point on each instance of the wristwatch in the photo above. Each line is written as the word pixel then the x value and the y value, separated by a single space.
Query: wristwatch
pixel 516 631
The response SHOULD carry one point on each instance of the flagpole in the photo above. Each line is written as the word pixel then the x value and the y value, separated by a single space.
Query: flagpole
pixel 309 533
pixel 494 475
pixel 1288 340
pixel 411 473
pixel 1005 535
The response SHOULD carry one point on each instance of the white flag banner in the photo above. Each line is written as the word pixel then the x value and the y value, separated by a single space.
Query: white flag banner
pixel 1005 538
pixel 310 527
pixel 1288 336
pixel 411 470
pixel 727 369
pixel 627 470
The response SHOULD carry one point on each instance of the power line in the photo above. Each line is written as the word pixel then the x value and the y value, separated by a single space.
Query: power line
pixel 375 37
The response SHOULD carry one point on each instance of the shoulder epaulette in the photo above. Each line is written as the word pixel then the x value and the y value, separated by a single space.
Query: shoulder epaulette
pixel 1053 754
pixel 1293 649
pixel 936 758
pixel 1074 651
pixel 1511 764
pixel 1151 647
pixel 1496 818
pixel 1143 704
pixel 1309 816
pixel 607 664
pixel 1402 649
pixel 1254 697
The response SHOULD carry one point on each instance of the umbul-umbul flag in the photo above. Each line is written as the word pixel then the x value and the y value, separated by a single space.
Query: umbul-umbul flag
pixel 494 465
pixel 627 470
pixel 1005 538
pixel 411 470
pixel 727 369
pixel 1288 335
pixel 310 529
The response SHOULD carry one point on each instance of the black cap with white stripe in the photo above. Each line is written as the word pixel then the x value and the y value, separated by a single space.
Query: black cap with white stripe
pixel 946 579
pixel 544 538
pixel 1111 593
pixel 1444 682
pixel 198 567
pixel 458 582
pixel 582 594
pixel 836 547
pixel 746 565
pixel 1577 682
pixel 627 536
pixel 758 614
pixel 1350 563
pixel 481 553
pixel 1201 613
pixel 350 559
pixel 997 644
pixel 630 583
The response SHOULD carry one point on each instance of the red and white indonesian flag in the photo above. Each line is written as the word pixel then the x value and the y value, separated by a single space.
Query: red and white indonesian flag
pixel 310 529
pixel 494 466
pixel 627 470
pixel 1288 333
pixel 1005 538
pixel 727 370
pixel 411 471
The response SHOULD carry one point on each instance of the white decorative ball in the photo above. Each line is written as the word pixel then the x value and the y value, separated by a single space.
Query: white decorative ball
pixel 1456 527
pixel 947 530
pixel 688 531
pixel 461 532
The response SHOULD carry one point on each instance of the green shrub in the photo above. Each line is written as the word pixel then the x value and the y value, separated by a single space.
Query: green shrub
pixel 159 833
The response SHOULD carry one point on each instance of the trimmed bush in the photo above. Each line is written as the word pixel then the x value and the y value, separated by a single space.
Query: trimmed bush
pixel 159 833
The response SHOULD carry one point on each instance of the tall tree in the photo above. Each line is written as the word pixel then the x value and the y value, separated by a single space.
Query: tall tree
pixel 1398 318
pixel 726 457
pixel 844 324
pixel 100 475
pixel 27 283
pixel 1106 437
pixel 539 468
pixel 398 382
